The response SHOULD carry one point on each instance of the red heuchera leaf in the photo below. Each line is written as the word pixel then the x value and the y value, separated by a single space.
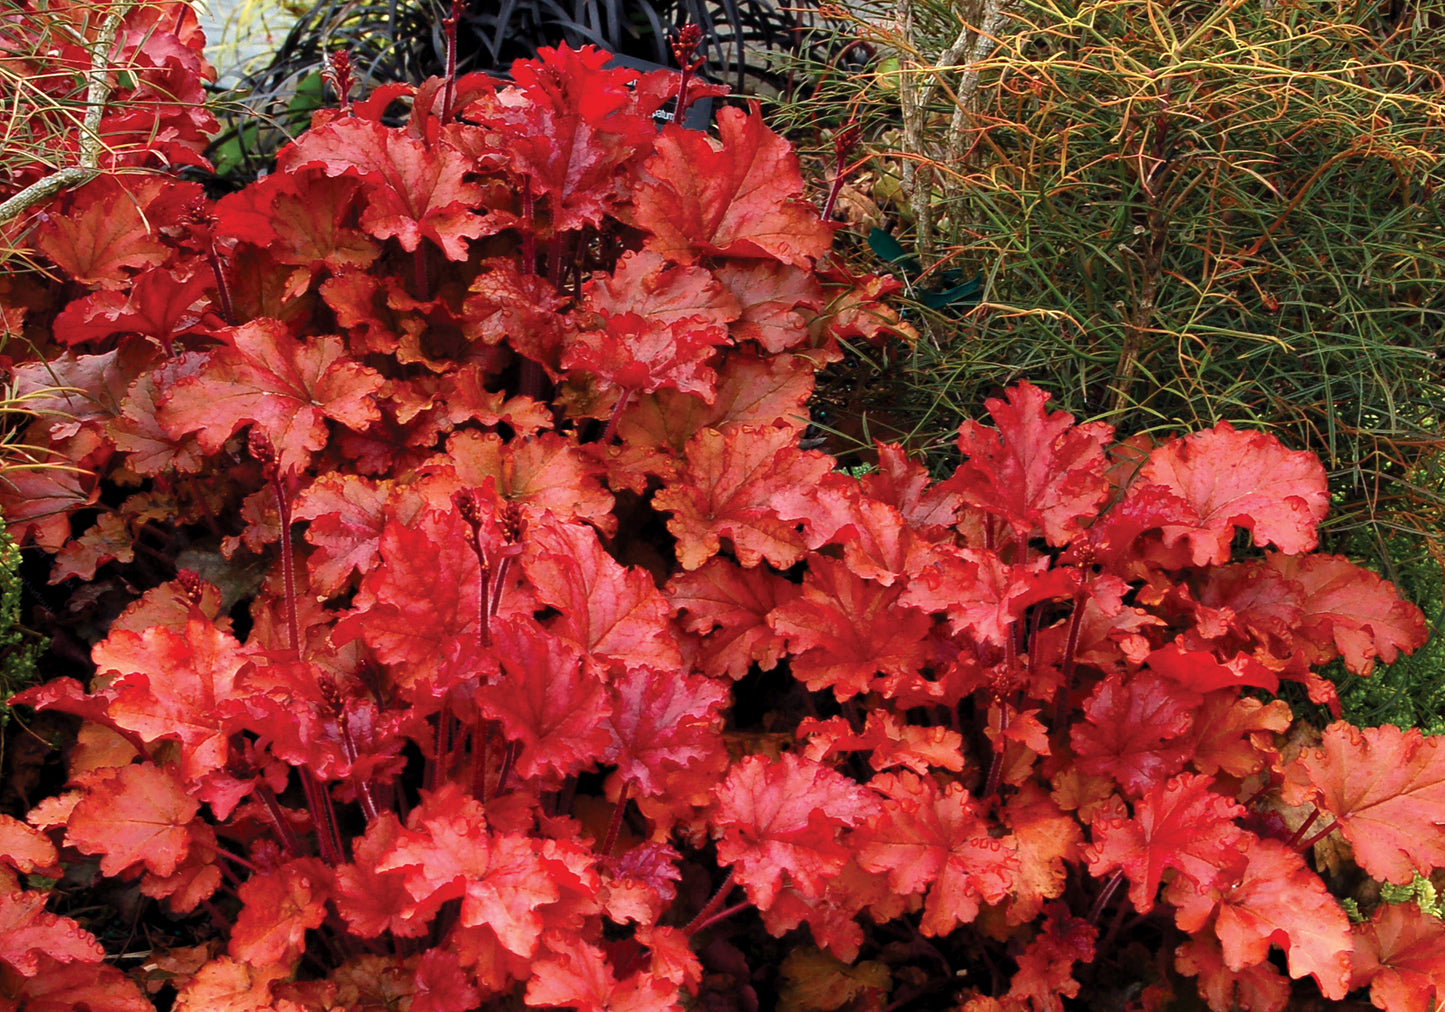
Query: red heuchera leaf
pixel 65 987
pixel 417 610
pixel 195 879
pixel 613 612
pixel 780 822
pixel 1046 967
pixel 1235 479
pixel 640 882
pixel 1236 735
pixel 579 976
pixel 1134 731
pixel 226 985
pixel 287 387
pixel 170 684
pixel 442 985
pixel 158 304
pixel 1259 988
pixel 741 198
pixel 1351 609
pixel 891 742
pixel 1399 954
pixel 447 853
pixel 138 432
pixel 842 631
pixel 770 295
pixel 876 542
pixel 1047 845
pixel 980 593
pixel 676 297
pixel 1269 896
pixel 372 901
pixel 520 309
pixel 549 697
pixel 904 484
pixel 413 190
pixel 101 236
pixel 1199 671
pixel 37 503
pixel 25 849
pixel 1386 788
pixel 660 326
pixel 28 934
pixel 545 472
pixel 751 391
pixel 303 218
pixel 574 123
pixel 632 352
pixel 662 720
pixel 279 906
pixel 1180 824
pixel 347 517
pixel 726 491
pixel 133 816
pixel 927 839
pixel 729 607
pixel 1037 471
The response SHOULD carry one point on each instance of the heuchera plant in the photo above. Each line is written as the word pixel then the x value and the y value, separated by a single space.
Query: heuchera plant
pixel 564 658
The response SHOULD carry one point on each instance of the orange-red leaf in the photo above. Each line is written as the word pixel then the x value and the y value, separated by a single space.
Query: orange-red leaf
pixel 134 816
pixel 1387 789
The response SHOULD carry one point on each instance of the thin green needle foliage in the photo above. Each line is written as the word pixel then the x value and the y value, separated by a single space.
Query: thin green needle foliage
pixel 1183 213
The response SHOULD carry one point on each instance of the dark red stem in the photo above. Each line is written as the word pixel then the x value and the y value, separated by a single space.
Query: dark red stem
pixel 288 562
pixel 529 229
pixel 611 430
pixel 995 769
pixel 508 757
pixel 284 832
pixel 1066 669
pixel 228 311
pixel 1304 828
pixel 449 24
pixel 711 906
pixel 323 816
pixel 842 145
pixel 614 827
pixel 723 915
pixel 1320 836
pixel 364 793
pixel 1105 894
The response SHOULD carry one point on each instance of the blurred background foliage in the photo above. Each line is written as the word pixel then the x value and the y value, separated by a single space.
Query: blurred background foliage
pixel 1182 213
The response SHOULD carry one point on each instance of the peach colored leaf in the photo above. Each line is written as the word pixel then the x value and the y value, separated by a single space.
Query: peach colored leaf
pixel 134 816
pixel 1235 479
pixel 1386 787
pixel 741 198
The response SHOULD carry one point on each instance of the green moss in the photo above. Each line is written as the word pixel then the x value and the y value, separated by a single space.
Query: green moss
pixel 20 648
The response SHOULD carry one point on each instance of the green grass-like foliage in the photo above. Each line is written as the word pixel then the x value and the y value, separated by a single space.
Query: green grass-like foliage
pixel 1185 213
pixel 1196 212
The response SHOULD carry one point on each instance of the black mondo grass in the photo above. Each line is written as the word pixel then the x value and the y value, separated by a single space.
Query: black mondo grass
pixel 405 41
